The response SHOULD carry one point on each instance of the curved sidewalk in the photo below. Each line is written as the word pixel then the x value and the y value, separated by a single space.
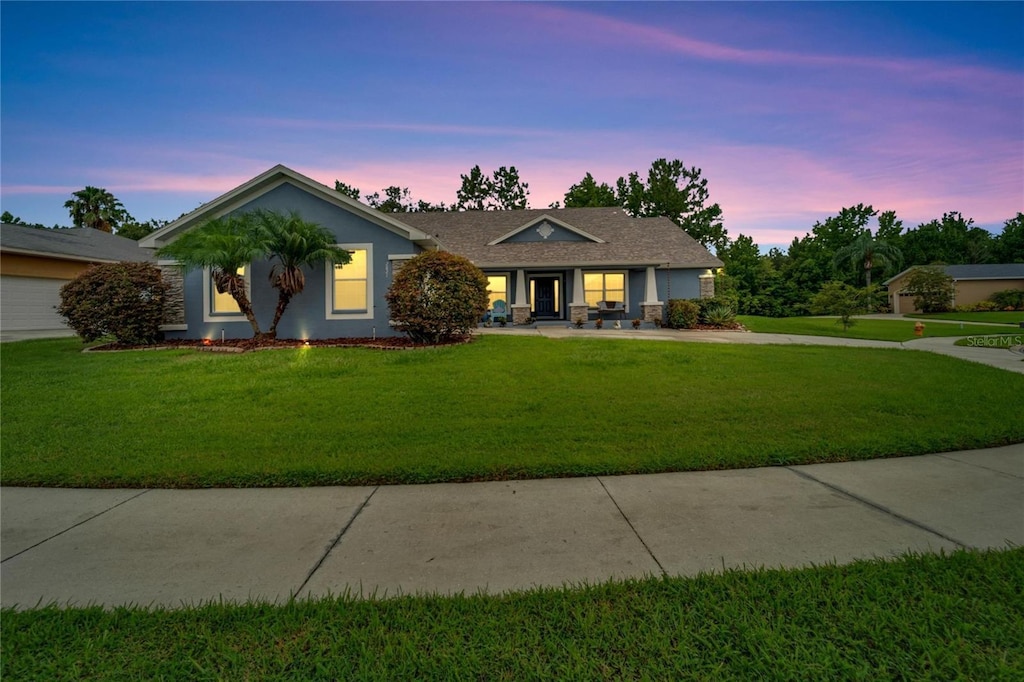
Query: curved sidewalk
pixel 179 547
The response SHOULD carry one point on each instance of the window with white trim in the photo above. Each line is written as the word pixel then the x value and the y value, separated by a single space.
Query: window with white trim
pixel 604 286
pixel 219 306
pixel 350 286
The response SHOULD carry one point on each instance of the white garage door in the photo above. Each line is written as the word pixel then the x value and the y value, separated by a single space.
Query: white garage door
pixel 28 303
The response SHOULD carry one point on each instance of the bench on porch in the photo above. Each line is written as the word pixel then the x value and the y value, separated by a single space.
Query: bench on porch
pixel 610 307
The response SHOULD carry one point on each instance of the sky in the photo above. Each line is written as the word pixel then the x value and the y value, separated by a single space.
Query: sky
pixel 791 110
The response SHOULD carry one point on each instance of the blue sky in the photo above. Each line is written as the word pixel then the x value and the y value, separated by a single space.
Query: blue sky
pixel 792 110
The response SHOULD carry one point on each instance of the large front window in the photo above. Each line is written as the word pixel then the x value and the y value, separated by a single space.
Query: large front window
pixel 604 286
pixel 224 304
pixel 497 294
pixel 350 286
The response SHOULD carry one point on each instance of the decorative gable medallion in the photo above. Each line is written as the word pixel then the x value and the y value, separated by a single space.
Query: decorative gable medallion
pixel 547 227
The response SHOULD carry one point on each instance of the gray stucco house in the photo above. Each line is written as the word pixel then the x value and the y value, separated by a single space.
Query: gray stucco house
pixel 548 264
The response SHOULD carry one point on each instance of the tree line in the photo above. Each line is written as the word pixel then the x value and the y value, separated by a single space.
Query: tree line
pixel 841 248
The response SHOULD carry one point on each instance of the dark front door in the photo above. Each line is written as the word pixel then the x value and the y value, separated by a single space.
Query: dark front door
pixel 545 291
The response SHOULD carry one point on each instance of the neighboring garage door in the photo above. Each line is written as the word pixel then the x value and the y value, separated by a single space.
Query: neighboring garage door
pixel 28 303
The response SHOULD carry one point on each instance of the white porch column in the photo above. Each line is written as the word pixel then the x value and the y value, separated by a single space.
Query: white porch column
pixel 578 309
pixel 577 288
pixel 521 307
pixel 651 289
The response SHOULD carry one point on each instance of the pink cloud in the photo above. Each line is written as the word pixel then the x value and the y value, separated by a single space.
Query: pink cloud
pixel 592 27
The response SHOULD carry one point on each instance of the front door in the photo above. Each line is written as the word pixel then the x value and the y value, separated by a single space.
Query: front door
pixel 545 297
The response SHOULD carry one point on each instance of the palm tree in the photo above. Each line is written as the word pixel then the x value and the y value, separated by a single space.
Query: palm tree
pixel 293 243
pixel 867 252
pixel 97 208
pixel 224 245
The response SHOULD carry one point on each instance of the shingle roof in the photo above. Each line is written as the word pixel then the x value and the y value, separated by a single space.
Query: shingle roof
pixel 82 244
pixel 986 271
pixel 627 240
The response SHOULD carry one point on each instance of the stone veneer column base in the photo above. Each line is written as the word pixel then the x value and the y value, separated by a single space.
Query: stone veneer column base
pixel 579 312
pixel 174 299
pixel 520 314
pixel 652 311
pixel 707 285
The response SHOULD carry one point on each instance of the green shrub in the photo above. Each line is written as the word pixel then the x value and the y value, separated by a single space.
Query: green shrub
pixel 719 315
pixel 839 298
pixel 931 288
pixel 1008 298
pixel 683 313
pixel 123 300
pixel 437 297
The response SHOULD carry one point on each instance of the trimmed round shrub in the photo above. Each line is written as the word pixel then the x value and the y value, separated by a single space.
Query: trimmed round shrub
pixel 437 297
pixel 124 300
pixel 683 313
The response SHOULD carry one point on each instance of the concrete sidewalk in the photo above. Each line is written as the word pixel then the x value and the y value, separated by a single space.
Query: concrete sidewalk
pixel 176 547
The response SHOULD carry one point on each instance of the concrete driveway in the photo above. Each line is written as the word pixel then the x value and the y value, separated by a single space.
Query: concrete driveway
pixel 179 547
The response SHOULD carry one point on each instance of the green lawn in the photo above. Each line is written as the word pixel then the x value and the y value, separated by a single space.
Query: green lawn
pixel 878 330
pixel 999 317
pixel 953 617
pixel 500 407
pixel 996 341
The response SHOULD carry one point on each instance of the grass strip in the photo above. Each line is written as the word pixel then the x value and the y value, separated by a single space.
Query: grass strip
pixel 870 329
pixel 993 317
pixel 942 617
pixel 993 341
pixel 498 408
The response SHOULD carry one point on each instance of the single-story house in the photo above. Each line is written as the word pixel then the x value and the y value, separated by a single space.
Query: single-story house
pixel 35 263
pixel 971 284
pixel 546 264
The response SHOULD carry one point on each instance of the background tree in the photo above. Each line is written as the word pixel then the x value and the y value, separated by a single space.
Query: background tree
pixel 508 191
pixel 678 193
pixel 1009 245
pixel 839 298
pixel 97 208
pixel 588 194
pixel 949 240
pixel 932 289
pixel 865 253
pixel 474 192
pixel 136 230
pixel 396 200
pixel 293 243
pixel 348 190
pixel 224 245
pixel 437 296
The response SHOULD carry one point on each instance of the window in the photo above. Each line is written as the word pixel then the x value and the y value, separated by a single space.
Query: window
pixel 350 286
pixel 604 286
pixel 497 290
pixel 218 307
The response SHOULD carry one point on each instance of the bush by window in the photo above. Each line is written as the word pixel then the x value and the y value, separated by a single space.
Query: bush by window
pixel 123 300
pixel 437 297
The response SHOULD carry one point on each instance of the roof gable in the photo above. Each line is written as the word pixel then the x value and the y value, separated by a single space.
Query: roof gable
pixel 546 228
pixel 269 181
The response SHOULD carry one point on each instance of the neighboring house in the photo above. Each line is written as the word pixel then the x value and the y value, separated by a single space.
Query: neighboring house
pixel 35 263
pixel 548 264
pixel 971 284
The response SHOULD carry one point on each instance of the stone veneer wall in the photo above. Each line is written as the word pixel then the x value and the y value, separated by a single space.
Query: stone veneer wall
pixel 707 286
pixel 520 314
pixel 651 312
pixel 174 301
pixel 579 312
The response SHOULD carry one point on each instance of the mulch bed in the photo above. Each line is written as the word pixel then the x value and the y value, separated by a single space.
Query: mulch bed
pixel 245 345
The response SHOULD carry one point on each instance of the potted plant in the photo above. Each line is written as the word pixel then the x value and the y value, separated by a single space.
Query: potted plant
pixel 578 323
pixel 598 323
pixel 637 322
